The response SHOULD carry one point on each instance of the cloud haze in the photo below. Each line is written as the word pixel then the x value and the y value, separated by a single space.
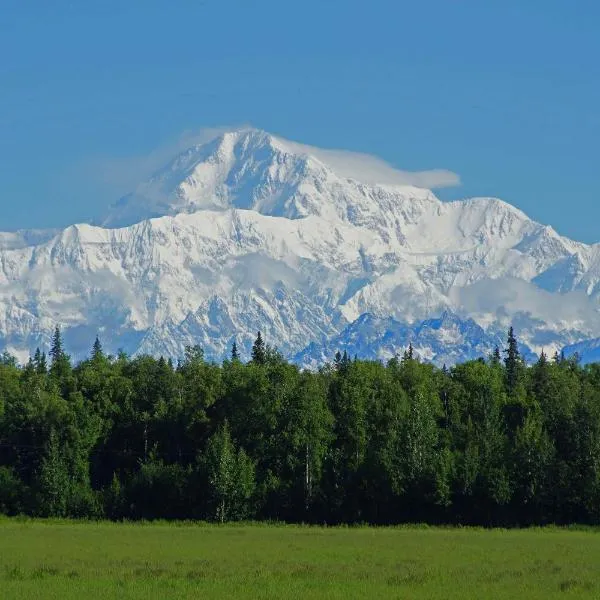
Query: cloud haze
pixel 508 296
pixel 125 173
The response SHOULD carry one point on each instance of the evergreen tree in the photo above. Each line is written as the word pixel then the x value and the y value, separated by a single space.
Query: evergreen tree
pixel 512 362
pixel 235 355
pixel 345 362
pixel 496 357
pixel 97 351
pixel 337 361
pixel 560 358
pixel 56 349
pixel 259 354
pixel 540 378
pixel 39 362
pixel 60 362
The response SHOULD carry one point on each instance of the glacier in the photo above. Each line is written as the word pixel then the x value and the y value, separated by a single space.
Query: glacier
pixel 251 232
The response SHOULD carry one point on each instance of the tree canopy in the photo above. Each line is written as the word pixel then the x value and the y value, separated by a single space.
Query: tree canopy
pixel 490 441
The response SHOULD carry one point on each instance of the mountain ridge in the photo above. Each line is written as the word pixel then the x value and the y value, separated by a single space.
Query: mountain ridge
pixel 250 232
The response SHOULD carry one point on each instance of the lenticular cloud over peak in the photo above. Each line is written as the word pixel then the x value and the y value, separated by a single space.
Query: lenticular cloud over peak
pixel 372 170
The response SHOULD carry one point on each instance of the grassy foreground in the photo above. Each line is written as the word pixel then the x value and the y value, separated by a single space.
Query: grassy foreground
pixel 80 560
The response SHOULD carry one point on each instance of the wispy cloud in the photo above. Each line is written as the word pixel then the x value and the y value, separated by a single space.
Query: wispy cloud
pixel 125 173
pixel 373 170
pixel 508 296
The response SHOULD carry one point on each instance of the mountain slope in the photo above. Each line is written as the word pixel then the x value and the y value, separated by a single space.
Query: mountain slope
pixel 444 340
pixel 252 232
pixel 587 351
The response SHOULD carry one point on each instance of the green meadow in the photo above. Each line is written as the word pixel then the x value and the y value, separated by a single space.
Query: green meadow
pixel 62 560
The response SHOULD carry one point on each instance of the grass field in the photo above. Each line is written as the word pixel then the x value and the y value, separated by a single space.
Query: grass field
pixel 81 560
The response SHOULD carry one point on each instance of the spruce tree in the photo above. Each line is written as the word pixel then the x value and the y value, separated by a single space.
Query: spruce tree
pixel 29 368
pixel 496 358
pixel 43 366
pixel 259 354
pixel 60 366
pixel 56 349
pixel 512 362
pixel 97 352
pixel 345 360
pixel 541 379
pixel 543 360
pixel 39 361
pixel 235 355
pixel 337 361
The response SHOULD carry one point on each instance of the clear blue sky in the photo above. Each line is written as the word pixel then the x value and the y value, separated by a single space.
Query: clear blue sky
pixel 505 93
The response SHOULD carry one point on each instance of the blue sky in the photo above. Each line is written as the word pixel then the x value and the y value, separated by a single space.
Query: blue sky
pixel 504 93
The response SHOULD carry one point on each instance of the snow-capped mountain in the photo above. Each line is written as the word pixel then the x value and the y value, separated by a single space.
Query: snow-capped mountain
pixel 444 340
pixel 587 351
pixel 250 232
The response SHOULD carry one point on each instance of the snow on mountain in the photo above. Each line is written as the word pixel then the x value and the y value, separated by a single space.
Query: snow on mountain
pixel 444 340
pixel 587 351
pixel 25 237
pixel 253 170
pixel 249 232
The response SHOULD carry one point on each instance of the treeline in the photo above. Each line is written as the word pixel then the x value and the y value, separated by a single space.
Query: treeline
pixel 491 441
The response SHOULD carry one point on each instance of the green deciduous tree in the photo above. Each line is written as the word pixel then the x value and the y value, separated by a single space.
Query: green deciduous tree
pixel 230 475
pixel 54 483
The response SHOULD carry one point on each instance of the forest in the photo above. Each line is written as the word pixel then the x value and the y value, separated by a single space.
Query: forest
pixel 492 442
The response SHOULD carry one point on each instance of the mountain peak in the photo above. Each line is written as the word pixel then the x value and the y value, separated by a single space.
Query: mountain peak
pixel 243 168
pixel 252 169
